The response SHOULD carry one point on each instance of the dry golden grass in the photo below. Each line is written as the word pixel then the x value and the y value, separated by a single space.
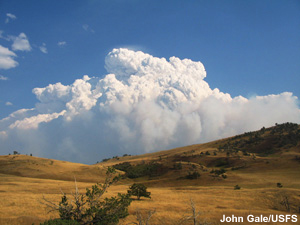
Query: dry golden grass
pixel 24 180
pixel 29 166
pixel 21 200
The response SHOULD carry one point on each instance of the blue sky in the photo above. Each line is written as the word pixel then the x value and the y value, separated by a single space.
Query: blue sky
pixel 248 48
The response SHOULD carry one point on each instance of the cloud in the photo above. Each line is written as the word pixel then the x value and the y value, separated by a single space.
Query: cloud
pixel 143 104
pixel 3 77
pixel 9 17
pixel 43 48
pixel 20 43
pixel 8 103
pixel 7 58
pixel 87 28
pixel 61 43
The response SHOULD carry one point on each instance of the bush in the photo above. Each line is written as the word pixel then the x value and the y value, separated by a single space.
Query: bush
pixel 237 187
pixel 135 171
pixel 60 222
pixel 177 166
pixel 193 175
pixel 139 190
pixel 89 208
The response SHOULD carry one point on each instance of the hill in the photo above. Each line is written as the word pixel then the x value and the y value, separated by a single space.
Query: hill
pixel 264 164
pixel 35 167
pixel 267 150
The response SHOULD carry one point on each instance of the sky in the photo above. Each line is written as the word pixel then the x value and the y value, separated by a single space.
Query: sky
pixel 86 80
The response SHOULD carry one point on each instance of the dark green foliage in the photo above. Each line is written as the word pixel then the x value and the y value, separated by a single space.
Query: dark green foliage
pixel 60 222
pixel 123 166
pixel 279 185
pixel 218 172
pixel 105 160
pixel 221 162
pixel 139 190
pixel 207 153
pixel 266 141
pixel 193 175
pixel 237 187
pixel 91 208
pixel 144 169
pixel 177 166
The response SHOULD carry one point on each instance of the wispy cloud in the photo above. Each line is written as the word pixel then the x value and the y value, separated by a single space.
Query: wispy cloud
pixel 9 17
pixel 3 77
pixel 8 104
pixel 3 37
pixel 87 28
pixel 43 48
pixel 20 43
pixel 7 58
pixel 61 43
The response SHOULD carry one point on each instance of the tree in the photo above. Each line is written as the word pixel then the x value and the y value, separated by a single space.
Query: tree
pixel 91 208
pixel 139 190
pixel 237 187
pixel 193 175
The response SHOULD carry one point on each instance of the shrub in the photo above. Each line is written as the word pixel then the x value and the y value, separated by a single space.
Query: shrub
pixel 89 208
pixel 219 172
pixel 237 187
pixel 222 162
pixel 60 222
pixel 279 185
pixel 144 169
pixel 177 166
pixel 139 190
pixel 193 175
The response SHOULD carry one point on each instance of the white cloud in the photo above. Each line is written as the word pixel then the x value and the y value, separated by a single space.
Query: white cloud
pixel 143 104
pixel 7 58
pixel 43 48
pixel 10 16
pixel 3 77
pixel 61 43
pixel 20 43
pixel 8 103
pixel 34 121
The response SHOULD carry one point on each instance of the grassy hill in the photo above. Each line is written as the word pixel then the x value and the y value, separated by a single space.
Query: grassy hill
pixel 227 160
pixel 265 164
pixel 35 167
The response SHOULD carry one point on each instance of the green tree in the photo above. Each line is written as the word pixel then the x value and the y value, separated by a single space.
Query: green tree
pixel 91 208
pixel 139 190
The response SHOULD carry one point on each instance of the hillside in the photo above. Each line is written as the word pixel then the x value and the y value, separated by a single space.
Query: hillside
pixel 267 150
pixel 264 164
pixel 35 167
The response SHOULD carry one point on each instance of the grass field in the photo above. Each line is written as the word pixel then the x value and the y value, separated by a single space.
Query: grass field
pixel 21 197
pixel 25 180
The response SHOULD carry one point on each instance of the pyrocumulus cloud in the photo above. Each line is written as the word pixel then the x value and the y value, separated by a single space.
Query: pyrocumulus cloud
pixel 143 104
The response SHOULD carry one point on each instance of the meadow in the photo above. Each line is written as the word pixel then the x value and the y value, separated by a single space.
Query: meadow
pixel 269 184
